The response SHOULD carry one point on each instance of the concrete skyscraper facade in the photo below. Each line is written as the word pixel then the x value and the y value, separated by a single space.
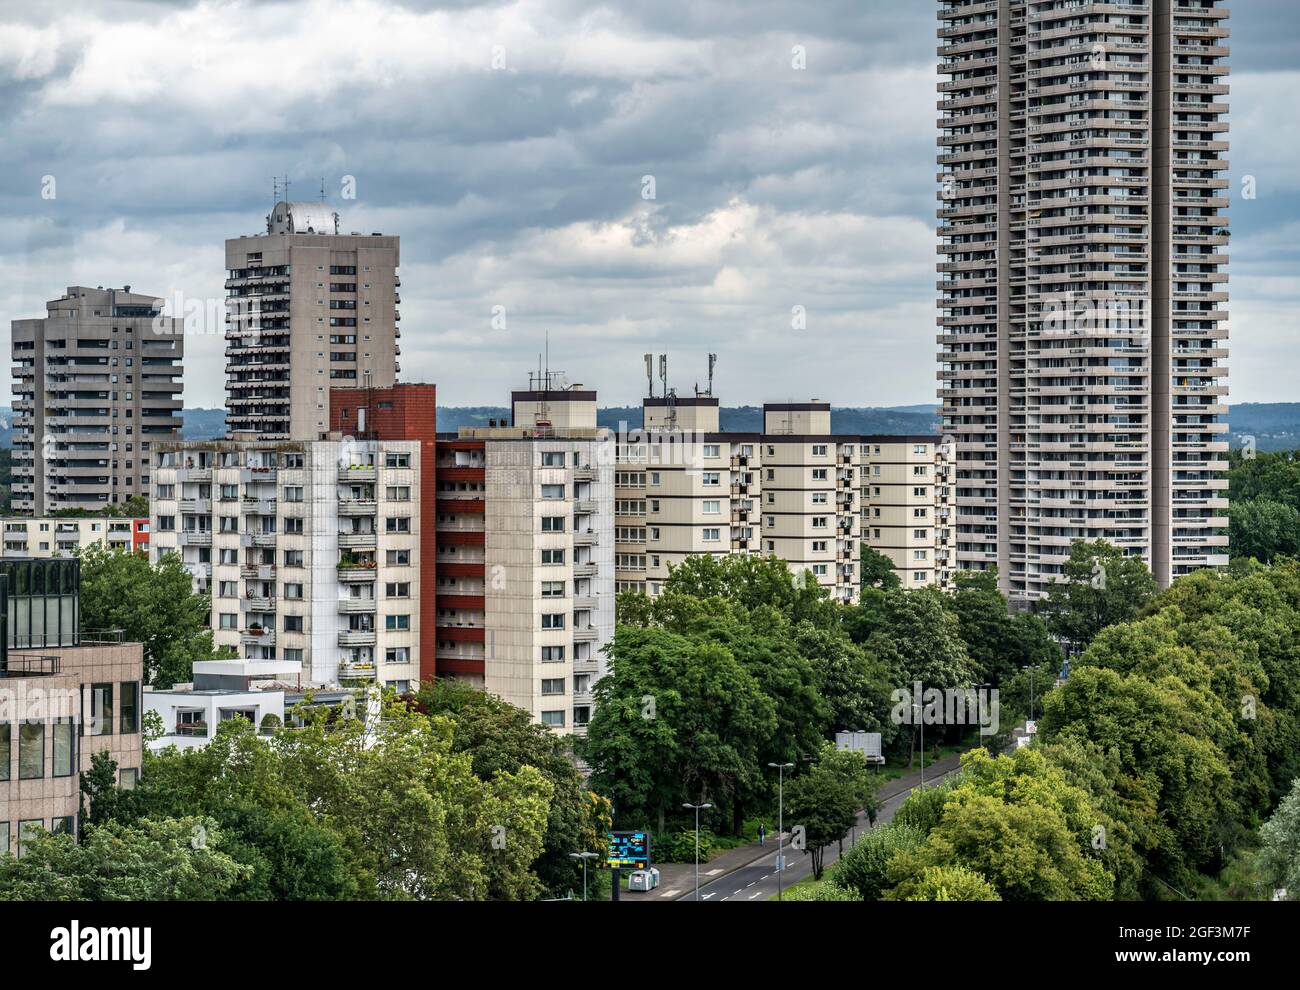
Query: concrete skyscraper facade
pixel 1082 318
pixel 307 309
pixel 97 382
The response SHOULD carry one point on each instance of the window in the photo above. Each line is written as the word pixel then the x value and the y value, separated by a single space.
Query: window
pixel 819 498
pixel 31 751
pixel 552 556
pixel 919 555
pixel 398 493
pixel 819 450
pixel 4 838
pixel 293 656
pixel 554 719
pixel 293 493
pixel 711 479
pixel 819 474
pixel 552 458
pixel 293 623
pixel 397 589
pixel 581 715
pixel 819 522
pixel 819 570
pixel 293 590
pixel 6 747
pixel 129 712
pixel 293 525
pixel 64 748
pixel 712 535
pixel 552 589
pixel 228 620
pixel 293 558
pixel 552 620
pixel 397 623
pixel 398 558
pixel 397 460
pixel 712 507
pixel 552 654
pixel 61 826
pixel 101 710
pixel 712 450
pixel 553 685
pixel 397 654
pixel 397 524
pixel 128 777
pixel 227 589
pixel 552 491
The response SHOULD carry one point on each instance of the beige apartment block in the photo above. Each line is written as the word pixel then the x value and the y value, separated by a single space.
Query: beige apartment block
pixel 906 506
pixel 795 491
pixel 310 550
pixel 1083 283
pixel 63 536
pixel 97 382
pixel 308 309
pixel 526 555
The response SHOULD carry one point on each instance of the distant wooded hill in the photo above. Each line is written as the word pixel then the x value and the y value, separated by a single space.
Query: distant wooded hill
pixel 1274 425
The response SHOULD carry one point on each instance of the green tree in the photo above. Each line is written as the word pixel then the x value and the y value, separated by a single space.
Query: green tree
pixel 153 604
pixel 951 883
pixel 877 570
pixel 1279 854
pixel 499 737
pixel 998 643
pixel 824 800
pixel 1018 823
pixel 675 721
pixel 1103 586
pixel 178 859
pixel 864 869
pixel 1264 529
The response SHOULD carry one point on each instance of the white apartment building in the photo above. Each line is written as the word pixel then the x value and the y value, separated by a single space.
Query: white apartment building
pixel 310 551
pixel 796 491
pixel 1083 283
pixel 63 536
pixel 526 555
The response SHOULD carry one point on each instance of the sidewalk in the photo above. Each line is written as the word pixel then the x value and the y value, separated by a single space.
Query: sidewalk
pixel 676 879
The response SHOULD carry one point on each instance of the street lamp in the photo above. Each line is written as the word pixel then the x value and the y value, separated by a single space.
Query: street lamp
pixel 696 808
pixel 921 721
pixel 781 768
pixel 1031 691
pixel 584 856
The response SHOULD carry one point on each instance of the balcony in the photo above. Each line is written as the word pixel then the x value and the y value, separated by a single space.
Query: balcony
pixel 585 538
pixel 586 569
pixel 358 472
pixel 257 637
pixel 585 506
pixel 356 575
pixel 585 634
pixel 357 507
pixel 357 637
pixel 358 541
pixel 261 572
pixel 351 606
pixel 585 474
pixel 360 670
pixel 258 603
pixel 200 506
pixel 195 538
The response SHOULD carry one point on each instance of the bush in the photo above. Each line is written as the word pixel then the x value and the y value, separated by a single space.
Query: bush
pixel 863 868
pixel 924 809
pixel 952 883
pixel 680 847
pixel 823 890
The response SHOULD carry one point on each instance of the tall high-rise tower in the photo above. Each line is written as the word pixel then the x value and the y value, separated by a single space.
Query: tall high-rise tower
pixel 307 309
pixel 97 381
pixel 1083 281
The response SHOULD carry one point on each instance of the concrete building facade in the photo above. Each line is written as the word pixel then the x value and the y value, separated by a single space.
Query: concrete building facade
pixel 307 309
pixel 310 550
pixel 63 536
pixel 62 700
pixel 97 383
pixel 1083 282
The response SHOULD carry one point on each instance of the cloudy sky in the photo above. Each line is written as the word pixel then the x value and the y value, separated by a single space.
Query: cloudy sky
pixel 508 144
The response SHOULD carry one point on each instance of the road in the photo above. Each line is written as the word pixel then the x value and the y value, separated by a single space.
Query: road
pixel 757 882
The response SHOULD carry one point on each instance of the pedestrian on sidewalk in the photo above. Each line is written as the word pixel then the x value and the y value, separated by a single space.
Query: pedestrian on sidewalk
pixel 762 834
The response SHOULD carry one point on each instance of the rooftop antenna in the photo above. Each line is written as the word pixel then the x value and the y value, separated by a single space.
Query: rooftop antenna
pixel 650 373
